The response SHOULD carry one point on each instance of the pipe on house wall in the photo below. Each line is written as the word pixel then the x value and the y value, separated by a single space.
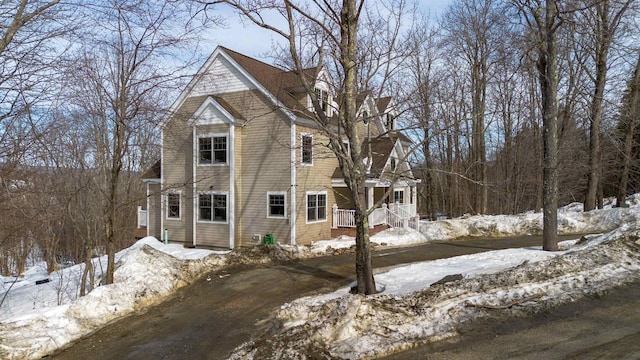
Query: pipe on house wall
pixel 292 207
pixel 232 186
pixel 194 213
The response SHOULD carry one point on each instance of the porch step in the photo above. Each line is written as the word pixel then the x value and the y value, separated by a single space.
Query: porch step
pixel 352 231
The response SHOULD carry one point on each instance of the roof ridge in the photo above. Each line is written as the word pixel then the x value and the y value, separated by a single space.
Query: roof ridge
pixel 233 52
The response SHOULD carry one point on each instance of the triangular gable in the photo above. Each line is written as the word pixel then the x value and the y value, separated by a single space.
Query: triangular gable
pixel 215 111
pixel 368 104
pixel 221 73
pixel 398 153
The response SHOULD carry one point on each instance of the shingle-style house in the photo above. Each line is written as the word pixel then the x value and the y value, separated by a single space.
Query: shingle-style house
pixel 241 158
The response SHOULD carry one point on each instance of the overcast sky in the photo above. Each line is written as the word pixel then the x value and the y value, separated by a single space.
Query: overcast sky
pixel 250 40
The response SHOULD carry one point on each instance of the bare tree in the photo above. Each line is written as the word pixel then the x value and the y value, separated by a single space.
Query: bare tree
pixel 421 80
pixel 474 29
pixel 360 49
pixel 541 17
pixel 628 123
pixel 119 78
pixel 604 17
pixel 30 46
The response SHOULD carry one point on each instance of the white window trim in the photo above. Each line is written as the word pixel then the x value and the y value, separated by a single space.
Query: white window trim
pixel 306 208
pixel 198 220
pixel 302 136
pixel 166 205
pixel 403 197
pixel 329 111
pixel 283 193
pixel 212 135
pixel 348 146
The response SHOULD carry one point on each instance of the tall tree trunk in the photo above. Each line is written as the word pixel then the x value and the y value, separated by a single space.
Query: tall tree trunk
pixel 348 60
pixel 628 116
pixel 548 70
pixel 543 22
pixel 595 157
pixel 606 24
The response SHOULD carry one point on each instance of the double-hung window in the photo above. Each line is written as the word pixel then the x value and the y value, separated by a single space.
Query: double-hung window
pixel 212 207
pixel 307 149
pixel 323 99
pixel 173 206
pixel 212 150
pixel 316 206
pixel 276 205
pixel 398 196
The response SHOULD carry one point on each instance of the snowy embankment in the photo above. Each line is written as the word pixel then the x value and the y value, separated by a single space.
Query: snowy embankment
pixel 35 320
pixel 353 326
pixel 38 319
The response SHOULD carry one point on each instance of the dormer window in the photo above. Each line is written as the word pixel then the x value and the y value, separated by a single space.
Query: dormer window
pixel 365 117
pixel 323 99
pixel 390 122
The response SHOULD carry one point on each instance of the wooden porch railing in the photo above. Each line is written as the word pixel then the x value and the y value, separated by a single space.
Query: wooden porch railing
pixel 343 218
pixel 396 217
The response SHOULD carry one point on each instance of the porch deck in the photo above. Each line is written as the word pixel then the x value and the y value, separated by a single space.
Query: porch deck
pixel 352 231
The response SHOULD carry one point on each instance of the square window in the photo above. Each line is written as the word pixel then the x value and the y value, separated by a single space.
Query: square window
pixel 212 150
pixel 212 207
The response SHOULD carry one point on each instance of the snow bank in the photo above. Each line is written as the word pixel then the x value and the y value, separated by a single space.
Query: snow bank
pixel 355 326
pixel 145 274
pixel 569 222
pixel 38 319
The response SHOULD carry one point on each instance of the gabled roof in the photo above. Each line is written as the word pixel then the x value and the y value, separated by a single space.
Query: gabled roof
pixel 153 172
pixel 192 104
pixel 395 134
pixel 383 104
pixel 381 149
pixel 281 83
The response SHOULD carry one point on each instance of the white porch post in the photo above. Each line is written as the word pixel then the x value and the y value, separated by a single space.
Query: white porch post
pixel 414 200
pixel 370 204
pixel 334 218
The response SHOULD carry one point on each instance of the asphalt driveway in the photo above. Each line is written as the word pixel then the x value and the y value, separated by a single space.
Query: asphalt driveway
pixel 210 318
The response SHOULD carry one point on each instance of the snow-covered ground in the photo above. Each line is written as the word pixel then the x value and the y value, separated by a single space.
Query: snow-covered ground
pixel 37 319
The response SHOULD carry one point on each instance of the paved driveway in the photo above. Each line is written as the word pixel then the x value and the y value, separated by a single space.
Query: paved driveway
pixel 210 318
pixel 601 327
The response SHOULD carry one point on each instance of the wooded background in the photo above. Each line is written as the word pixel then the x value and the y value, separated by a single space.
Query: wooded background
pixel 82 86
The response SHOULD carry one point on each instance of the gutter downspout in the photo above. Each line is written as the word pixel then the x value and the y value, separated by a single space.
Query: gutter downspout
pixel 232 186
pixel 194 215
pixel 148 209
pixel 162 194
pixel 292 216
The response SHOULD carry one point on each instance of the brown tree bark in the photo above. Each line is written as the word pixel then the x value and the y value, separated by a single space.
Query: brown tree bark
pixel 628 123
pixel 606 24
